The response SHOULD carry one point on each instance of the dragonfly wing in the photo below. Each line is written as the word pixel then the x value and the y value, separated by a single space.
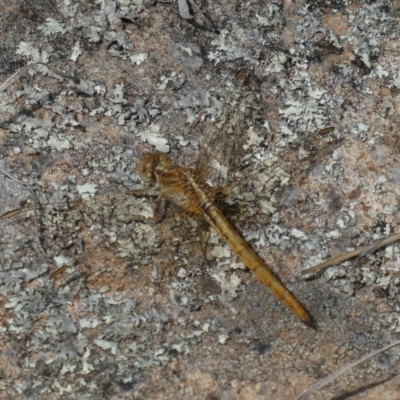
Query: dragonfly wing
pixel 203 238
pixel 223 147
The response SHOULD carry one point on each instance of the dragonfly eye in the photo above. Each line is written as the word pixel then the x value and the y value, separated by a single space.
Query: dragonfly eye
pixel 148 164
pixel 146 168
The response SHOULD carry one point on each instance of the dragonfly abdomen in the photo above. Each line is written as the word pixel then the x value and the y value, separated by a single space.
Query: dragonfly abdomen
pixel 217 220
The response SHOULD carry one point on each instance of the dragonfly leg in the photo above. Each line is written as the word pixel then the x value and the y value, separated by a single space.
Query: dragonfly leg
pixel 158 213
pixel 153 191
pixel 203 243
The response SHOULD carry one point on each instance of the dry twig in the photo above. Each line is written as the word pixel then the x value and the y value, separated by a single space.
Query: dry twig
pixel 343 370
pixel 360 252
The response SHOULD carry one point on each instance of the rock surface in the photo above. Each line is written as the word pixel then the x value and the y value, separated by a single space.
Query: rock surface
pixel 138 314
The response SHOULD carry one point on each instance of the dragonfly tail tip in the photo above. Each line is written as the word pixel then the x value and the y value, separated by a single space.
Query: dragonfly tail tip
pixel 311 324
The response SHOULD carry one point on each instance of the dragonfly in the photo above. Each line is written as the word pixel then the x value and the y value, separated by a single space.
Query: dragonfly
pixel 189 188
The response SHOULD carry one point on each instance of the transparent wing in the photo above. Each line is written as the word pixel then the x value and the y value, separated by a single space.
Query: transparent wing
pixel 223 146
pixel 240 140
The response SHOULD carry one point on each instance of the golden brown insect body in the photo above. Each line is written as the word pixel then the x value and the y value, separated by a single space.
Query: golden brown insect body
pixel 186 188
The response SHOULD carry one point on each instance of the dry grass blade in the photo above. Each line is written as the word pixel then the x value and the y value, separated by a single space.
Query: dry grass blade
pixel 343 370
pixel 58 271
pixel 325 130
pixel 11 213
pixel 12 178
pixel 360 252
pixel 14 212
pixel 14 77
pixel 19 73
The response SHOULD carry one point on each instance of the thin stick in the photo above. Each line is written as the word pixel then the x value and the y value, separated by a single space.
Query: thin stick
pixel 360 252
pixel 14 179
pixel 58 271
pixel 35 208
pixel 19 73
pixel 195 123
pixel 344 369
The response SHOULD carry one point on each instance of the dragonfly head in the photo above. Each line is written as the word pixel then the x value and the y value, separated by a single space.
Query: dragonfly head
pixel 148 164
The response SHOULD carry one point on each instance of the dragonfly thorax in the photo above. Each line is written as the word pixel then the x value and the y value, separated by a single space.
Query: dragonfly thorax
pixel 148 164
